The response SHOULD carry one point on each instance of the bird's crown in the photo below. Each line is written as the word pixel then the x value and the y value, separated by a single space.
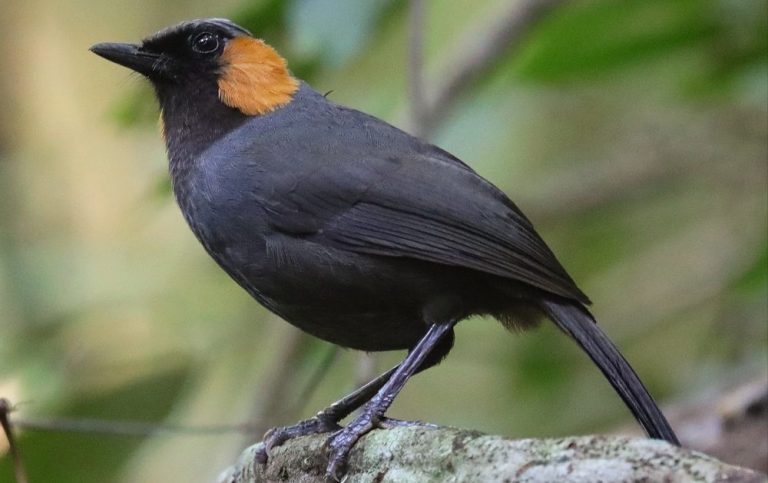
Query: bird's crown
pixel 250 75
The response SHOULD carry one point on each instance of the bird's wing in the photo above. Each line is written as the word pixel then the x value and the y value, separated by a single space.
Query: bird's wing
pixel 418 206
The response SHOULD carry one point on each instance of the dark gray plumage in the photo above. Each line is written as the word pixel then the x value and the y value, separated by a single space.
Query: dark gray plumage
pixel 353 230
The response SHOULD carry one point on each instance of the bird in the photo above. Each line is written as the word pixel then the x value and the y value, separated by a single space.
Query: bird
pixel 347 227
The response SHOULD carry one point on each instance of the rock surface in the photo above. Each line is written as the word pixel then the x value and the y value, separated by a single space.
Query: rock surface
pixel 443 454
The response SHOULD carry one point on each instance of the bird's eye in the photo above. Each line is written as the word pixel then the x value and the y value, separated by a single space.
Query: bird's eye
pixel 205 43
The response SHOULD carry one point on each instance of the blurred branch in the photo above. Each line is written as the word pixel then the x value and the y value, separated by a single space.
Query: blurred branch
pixel 479 54
pixel 420 454
pixel 366 368
pixel 275 387
pixel 315 377
pixel 271 406
pixel 281 380
pixel 126 428
pixel 20 473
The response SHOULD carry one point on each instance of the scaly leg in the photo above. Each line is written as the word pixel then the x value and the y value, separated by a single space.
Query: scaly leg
pixel 341 443
pixel 327 419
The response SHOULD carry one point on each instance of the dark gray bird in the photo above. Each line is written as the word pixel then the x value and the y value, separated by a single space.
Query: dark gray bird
pixel 347 227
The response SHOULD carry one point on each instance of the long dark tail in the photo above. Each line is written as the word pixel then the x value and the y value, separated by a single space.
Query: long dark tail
pixel 579 324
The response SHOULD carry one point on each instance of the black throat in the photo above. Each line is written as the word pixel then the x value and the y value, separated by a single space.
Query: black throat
pixel 193 118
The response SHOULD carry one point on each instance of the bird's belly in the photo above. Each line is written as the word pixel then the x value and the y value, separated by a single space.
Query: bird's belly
pixel 363 313
pixel 343 298
pixel 354 300
pixel 368 331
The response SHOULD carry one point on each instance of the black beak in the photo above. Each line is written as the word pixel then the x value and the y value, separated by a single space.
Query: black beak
pixel 149 64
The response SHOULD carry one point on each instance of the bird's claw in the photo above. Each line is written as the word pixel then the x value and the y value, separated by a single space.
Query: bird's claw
pixel 277 436
pixel 389 423
pixel 341 442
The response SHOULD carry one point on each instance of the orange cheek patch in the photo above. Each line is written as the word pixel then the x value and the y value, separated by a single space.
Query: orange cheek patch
pixel 254 78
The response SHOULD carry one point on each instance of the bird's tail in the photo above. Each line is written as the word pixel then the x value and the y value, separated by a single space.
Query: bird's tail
pixel 579 324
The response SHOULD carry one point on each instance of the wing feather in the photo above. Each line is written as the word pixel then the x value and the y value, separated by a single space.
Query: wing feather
pixel 404 198
pixel 388 231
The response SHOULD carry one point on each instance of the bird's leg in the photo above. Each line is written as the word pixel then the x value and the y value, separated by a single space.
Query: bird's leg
pixel 327 419
pixel 370 416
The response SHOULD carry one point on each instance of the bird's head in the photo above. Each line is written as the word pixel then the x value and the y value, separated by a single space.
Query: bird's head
pixel 209 55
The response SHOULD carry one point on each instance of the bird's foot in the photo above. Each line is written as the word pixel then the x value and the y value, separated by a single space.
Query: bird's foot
pixel 277 436
pixel 341 442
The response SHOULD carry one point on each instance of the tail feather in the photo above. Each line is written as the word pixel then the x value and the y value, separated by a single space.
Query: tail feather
pixel 579 324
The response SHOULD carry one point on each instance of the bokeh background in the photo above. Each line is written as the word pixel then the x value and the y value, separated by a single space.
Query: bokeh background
pixel 632 132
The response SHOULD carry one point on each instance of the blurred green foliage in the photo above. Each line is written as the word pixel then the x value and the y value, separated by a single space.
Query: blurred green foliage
pixel 632 132
pixel 594 38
